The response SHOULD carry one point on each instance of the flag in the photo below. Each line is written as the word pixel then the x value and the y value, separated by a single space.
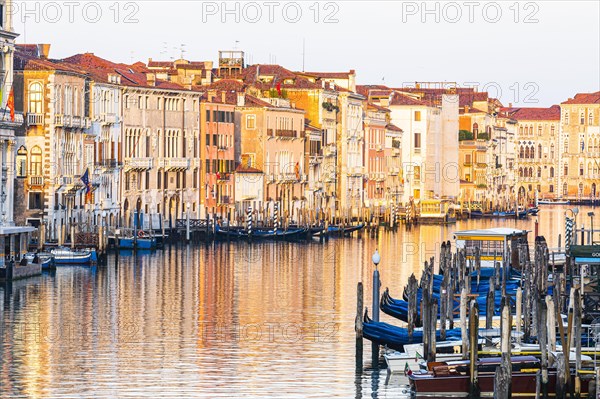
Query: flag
pixel 85 179
pixel 297 171
pixel 278 87
pixel 10 104
pixel 407 370
pixel 218 176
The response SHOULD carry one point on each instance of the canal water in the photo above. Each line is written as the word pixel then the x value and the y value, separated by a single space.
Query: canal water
pixel 215 321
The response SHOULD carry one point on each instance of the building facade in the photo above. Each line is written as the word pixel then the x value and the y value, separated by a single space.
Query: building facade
pixel 579 147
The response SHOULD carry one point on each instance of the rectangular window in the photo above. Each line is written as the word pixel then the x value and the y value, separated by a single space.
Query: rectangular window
pixel 158 180
pixel 147 180
pixel 35 200
pixel 417 141
pixel 208 115
pixel 417 116
pixel 250 121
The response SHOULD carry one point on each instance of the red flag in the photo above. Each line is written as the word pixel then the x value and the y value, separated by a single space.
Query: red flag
pixel 218 176
pixel 278 87
pixel 10 104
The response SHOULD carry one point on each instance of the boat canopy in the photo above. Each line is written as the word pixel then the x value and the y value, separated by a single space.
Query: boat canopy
pixel 585 254
pixel 494 234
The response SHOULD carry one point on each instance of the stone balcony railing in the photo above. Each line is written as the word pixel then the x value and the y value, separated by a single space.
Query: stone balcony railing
pixel 35 119
pixel 35 181
pixel 174 163
pixel 76 121
pixel 138 163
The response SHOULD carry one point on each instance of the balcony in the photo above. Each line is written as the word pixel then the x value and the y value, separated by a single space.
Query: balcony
pixel 67 120
pixel 223 177
pixel 108 118
pixel 76 122
pixel 35 181
pixel 355 171
pixel 108 164
pixel 287 133
pixel 35 119
pixel 287 178
pixel 58 120
pixel 174 163
pixel 138 163
pixel 66 180
pixel 87 123
pixel 329 151
pixel 315 160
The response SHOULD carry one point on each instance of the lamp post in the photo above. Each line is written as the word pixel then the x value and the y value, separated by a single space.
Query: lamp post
pixel 376 258
pixel 591 215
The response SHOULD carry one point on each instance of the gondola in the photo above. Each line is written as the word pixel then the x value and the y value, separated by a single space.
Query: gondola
pixel 396 337
pixel 341 229
pixel 261 233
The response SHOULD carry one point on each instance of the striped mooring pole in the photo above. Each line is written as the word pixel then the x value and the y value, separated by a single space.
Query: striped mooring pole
pixel 249 220
pixel 276 217
pixel 569 224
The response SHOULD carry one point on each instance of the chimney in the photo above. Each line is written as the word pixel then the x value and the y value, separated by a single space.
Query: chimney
pixel 241 100
pixel 43 50
pixel 509 105
pixel 211 94
pixel 151 79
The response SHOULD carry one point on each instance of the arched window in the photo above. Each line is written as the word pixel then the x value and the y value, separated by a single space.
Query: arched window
pixel 539 130
pixel 520 172
pixel 581 118
pixel 580 189
pixel 522 152
pixel 552 130
pixel 539 172
pixel 22 162
pixel 35 98
pixel 582 144
pixel 552 171
pixel 540 151
pixel 475 130
pixel 530 172
pixel 532 152
pixel 551 188
pixel 521 130
pixel 565 189
pixel 581 169
pixel 566 170
pixel 590 118
pixel 526 152
pixel 531 130
pixel 35 163
pixel 76 102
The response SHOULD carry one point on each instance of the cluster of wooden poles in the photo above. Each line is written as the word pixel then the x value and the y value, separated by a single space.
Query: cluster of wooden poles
pixel 535 314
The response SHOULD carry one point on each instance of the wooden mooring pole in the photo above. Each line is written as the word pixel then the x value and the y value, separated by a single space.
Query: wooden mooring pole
pixel 358 325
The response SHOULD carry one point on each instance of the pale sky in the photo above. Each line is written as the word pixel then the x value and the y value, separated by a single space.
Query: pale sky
pixel 529 53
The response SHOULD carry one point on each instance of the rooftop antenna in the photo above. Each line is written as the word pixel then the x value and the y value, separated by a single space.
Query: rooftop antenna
pixel 164 49
pixel 236 44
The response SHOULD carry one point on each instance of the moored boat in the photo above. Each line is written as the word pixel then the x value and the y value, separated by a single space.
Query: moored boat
pixel 261 233
pixel 553 202
pixel 67 256
pixel 452 378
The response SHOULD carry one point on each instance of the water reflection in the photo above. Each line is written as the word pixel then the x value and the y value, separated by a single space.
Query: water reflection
pixel 223 320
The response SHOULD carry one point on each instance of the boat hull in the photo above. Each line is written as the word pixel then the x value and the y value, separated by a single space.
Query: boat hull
pixel 523 385
pixel 72 259
pixel 140 243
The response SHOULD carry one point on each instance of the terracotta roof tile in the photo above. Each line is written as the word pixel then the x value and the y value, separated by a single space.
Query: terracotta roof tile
pixel 533 114
pixel 393 128
pixel 584 98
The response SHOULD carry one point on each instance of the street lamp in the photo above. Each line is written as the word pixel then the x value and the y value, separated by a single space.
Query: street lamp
pixel 376 258
pixel 591 215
